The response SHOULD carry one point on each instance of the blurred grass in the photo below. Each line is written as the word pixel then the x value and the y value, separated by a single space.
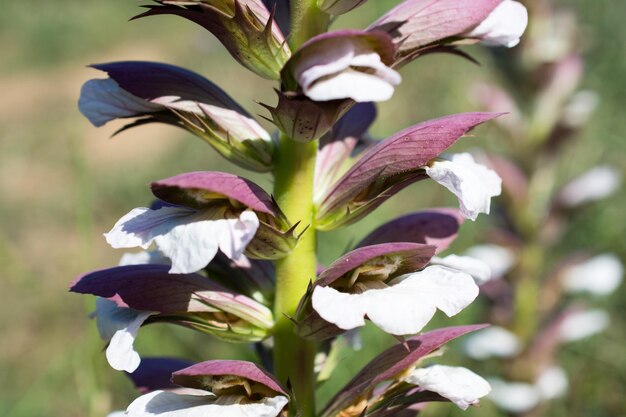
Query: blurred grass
pixel 63 183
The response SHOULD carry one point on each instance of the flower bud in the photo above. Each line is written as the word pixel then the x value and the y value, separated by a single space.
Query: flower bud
pixel 245 27
pixel 302 119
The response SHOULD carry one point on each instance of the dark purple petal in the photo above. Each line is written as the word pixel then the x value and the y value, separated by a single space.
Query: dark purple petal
pixel 156 373
pixel 393 361
pixel 148 288
pixel 354 123
pixel 414 257
pixel 282 13
pixel 153 80
pixel 196 189
pixel 438 227
pixel 391 165
pixel 194 376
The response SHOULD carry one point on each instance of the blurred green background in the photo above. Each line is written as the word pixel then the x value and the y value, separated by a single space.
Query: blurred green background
pixel 64 183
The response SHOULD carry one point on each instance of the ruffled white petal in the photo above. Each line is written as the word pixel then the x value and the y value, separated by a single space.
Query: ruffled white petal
pixel 104 100
pixel 499 259
pixel 190 238
pixel 334 73
pixel 403 308
pixel 119 326
pixel 600 275
pixel 514 397
pixel 472 183
pixel 169 404
pixel 460 385
pixel 492 342
pixel 504 26
pixel 117 414
pixel 478 269
pixel 580 325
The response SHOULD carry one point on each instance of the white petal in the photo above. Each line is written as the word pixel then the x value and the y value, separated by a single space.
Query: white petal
pixel 552 383
pixel 600 275
pixel 515 397
pixel 235 234
pixel 117 414
pixel 472 183
pixel 169 404
pixel 490 342
pixel 593 185
pixel 326 62
pixel 403 308
pixel 478 269
pixel 119 326
pixel 583 324
pixel 144 257
pixel 190 238
pixel 104 100
pixel 504 26
pixel 359 86
pixel 330 74
pixel 460 385
pixel 499 259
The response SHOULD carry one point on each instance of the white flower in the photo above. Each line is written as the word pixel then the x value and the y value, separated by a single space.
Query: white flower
pixel 492 341
pixel 600 275
pixel 170 404
pixel 460 385
pixel 514 397
pixel 404 307
pixel 595 184
pixel 552 383
pixel 504 26
pixel 499 259
pixel 478 269
pixel 520 397
pixel 472 183
pixel 119 326
pixel 348 68
pixel 190 238
pixel 580 325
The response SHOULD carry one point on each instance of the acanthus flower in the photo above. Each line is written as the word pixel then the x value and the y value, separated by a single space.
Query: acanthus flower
pixel 245 27
pixel 216 388
pixel 153 92
pixel 213 211
pixel 419 26
pixel 387 285
pixel 347 64
pixel 132 296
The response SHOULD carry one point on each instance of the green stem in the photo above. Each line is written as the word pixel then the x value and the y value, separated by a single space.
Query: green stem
pixel 307 20
pixel 293 190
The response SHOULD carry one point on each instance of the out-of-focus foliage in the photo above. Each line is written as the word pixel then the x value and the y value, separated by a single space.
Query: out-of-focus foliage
pixel 63 183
